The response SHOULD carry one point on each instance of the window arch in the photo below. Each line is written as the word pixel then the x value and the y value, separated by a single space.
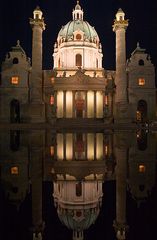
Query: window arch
pixel 15 61
pixel 78 60
pixel 141 62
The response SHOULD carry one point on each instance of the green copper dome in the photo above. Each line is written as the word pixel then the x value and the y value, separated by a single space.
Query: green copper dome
pixel 78 25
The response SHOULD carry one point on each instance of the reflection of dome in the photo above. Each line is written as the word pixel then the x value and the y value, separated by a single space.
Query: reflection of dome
pixel 88 31
pixel 78 219
pixel 78 204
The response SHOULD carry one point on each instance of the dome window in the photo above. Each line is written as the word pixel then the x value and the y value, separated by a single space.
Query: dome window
pixel 15 61
pixel 78 60
pixel 78 36
pixel 141 62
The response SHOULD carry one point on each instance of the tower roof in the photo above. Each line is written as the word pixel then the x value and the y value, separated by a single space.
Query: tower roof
pixel 138 50
pixel 78 7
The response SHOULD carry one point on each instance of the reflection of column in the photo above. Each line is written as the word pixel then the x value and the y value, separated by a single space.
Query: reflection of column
pixel 120 222
pixel 64 146
pixel 36 180
pixel 73 112
pixel 95 146
pixel 95 104
pixel 86 104
pixel 64 104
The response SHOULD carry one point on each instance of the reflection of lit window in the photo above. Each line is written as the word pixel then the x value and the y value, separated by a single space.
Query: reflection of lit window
pixel 141 168
pixel 51 100
pixel 106 99
pixel 52 150
pixel 141 81
pixel 14 171
pixel 106 150
pixel 15 80
pixel 52 80
pixel 138 116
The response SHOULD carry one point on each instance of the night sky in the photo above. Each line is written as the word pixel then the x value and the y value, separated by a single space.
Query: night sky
pixel 14 24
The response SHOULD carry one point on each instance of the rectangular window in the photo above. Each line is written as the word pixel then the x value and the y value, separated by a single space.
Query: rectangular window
pixel 141 168
pixel 141 81
pixel 14 171
pixel 15 80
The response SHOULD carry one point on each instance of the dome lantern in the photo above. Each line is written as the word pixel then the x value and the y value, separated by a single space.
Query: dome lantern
pixel 77 12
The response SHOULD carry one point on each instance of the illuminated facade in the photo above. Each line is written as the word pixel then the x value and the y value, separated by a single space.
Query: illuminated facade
pixel 77 87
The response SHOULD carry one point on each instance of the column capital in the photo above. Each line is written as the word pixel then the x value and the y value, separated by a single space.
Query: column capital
pixel 121 230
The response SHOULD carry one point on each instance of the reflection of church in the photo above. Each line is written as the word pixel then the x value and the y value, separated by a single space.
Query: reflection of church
pixel 78 86
pixel 29 158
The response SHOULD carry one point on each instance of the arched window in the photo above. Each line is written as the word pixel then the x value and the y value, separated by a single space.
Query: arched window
pixel 14 111
pixel 77 15
pixel 78 60
pixel 142 111
pixel 142 142
pixel 141 62
pixel 79 189
pixel 15 61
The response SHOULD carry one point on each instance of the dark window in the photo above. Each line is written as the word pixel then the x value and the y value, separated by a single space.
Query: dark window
pixel 77 15
pixel 14 140
pixel 141 62
pixel 15 61
pixel 141 188
pixel 14 111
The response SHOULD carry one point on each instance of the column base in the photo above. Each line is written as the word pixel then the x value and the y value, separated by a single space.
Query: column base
pixel 34 113
pixel 122 113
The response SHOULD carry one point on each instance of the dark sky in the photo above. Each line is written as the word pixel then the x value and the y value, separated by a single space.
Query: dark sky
pixel 142 15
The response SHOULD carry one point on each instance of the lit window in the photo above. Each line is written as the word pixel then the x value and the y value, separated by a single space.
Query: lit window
pixel 14 171
pixel 141 81
pixel 15 80
pixel 141 168
pixel 52 151
pixel 51 100
pixel 78 37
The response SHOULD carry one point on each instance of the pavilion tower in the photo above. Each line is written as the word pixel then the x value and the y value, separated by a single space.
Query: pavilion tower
pixel 37 111
pixel 119 27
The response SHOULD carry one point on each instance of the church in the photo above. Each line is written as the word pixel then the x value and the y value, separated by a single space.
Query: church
pixel 78 88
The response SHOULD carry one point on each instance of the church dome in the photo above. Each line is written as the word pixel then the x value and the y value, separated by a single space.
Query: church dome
pixel 67 31
pixel 77 45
